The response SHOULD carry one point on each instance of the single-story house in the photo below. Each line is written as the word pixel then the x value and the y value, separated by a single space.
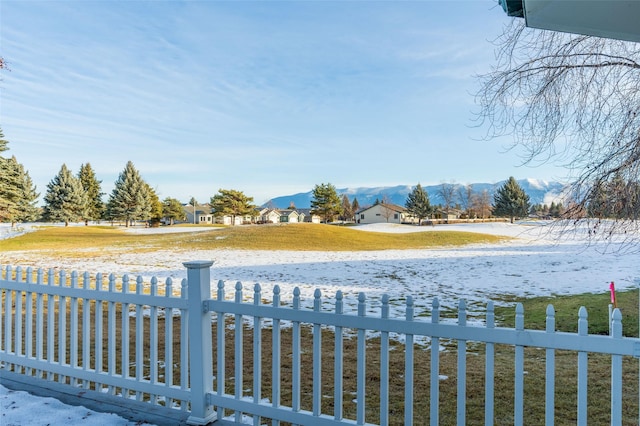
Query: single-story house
pixel 382 213
pixel 201 213
pixel 271 215
pixel 307 216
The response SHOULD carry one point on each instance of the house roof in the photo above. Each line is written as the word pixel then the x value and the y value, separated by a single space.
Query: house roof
pixel 393 207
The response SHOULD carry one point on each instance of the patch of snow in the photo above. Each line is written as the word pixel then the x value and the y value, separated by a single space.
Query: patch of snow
pixel 20 408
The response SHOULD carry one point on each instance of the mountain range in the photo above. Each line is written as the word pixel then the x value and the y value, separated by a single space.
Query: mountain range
pixel 539 191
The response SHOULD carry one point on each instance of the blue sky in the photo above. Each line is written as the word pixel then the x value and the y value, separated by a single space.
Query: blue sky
pixel 266 97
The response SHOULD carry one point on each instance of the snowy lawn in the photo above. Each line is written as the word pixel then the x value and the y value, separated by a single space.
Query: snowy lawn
pixel 536 262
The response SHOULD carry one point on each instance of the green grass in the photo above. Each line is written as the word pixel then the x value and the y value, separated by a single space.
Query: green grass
pixel 266 237
pixel 566 312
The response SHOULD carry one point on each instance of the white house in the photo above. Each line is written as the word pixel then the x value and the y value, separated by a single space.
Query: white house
pixel 382 213
pixel 290 216
pixel 201 213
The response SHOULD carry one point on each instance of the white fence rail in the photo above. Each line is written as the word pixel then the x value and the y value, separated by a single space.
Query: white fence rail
pixel 119 337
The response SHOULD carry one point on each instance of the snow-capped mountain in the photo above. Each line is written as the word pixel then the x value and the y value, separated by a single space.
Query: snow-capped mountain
pixel 539 191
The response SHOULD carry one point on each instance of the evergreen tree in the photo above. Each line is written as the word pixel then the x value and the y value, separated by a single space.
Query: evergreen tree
pixel 325 202
pixel 9 193
pixel 130 199
pixel 17 193
pixel 26 210
pixel 355 206
pixel 65 200
pixel 347 210
pixel 418 203
pixel 229 202
pixel 155 206
pixel 173 210
pixel 510 200
pixel 95 205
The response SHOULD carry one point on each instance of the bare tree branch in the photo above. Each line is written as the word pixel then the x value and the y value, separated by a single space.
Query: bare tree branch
pixel 574 101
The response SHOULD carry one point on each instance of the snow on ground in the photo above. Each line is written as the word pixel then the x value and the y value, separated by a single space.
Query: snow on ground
pixel 18 408
pixel 535 262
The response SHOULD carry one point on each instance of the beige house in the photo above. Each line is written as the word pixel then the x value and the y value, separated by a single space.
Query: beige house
pixel 287 216
pixel 382 213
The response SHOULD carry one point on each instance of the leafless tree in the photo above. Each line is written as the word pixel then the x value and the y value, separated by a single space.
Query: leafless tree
pixel 465 195
pixel 572 100
pixel 481 204
pixel 447 191
pixel 386 209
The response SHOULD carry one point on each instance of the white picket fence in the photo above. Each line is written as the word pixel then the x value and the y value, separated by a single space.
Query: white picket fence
pixel 102 333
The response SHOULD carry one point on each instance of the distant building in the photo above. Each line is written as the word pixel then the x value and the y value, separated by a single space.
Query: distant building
pixel 199 214
pixel 383 213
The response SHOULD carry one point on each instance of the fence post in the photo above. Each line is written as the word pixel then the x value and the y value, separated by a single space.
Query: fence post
pixel 200 347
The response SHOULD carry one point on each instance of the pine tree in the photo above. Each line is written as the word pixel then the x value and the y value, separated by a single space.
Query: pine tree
pixel 418 203
pixel 91 185
pixel 173 210
pixel 9 193
pixel 230 202
pixel 130 199
pixel 326 202
pixel 155 207
pixel 17 193
pixel 65 200
pixel 26 210
pixel 510 200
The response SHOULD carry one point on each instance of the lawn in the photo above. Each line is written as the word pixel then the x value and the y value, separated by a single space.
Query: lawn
pixel 304 237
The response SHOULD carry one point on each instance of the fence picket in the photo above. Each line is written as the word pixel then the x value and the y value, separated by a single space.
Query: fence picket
pixel 86 329
pixel 434 402
pixel 62 326
pixel 583 330
pixel 550 369
pixel 168 340
pixel 153 341
pixel 184 347
pixel 138 368
pixel 408 366
pixel 51 325
pixel 361 363
pixel 18 319
pixel 111 333
pixel 462 366
pixel 39 322
pixel 238 354
pixel 519 371
pixel 276 381
pixel 125 336
pixel 28 342
pixel 384 365
pixel 295 355
pixel 489 370
pixel 220 347
pixel 616 371
pixel 338 367
pixel 317 358
pixel 98 330
pixel 257 352
pixel 73 326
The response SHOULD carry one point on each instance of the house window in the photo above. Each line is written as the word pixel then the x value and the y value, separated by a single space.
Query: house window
pixel 362 216
pixel 395 216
